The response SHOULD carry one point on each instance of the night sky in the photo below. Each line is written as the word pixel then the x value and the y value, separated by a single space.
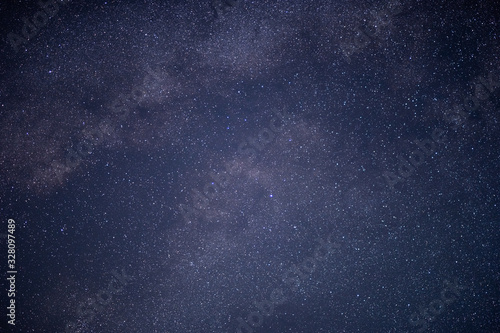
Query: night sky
pixel 250 166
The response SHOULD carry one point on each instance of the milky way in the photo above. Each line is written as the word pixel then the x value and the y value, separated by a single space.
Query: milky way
pixel 239 166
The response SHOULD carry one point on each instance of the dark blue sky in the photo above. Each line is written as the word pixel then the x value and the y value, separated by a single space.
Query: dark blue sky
pixel 244 166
